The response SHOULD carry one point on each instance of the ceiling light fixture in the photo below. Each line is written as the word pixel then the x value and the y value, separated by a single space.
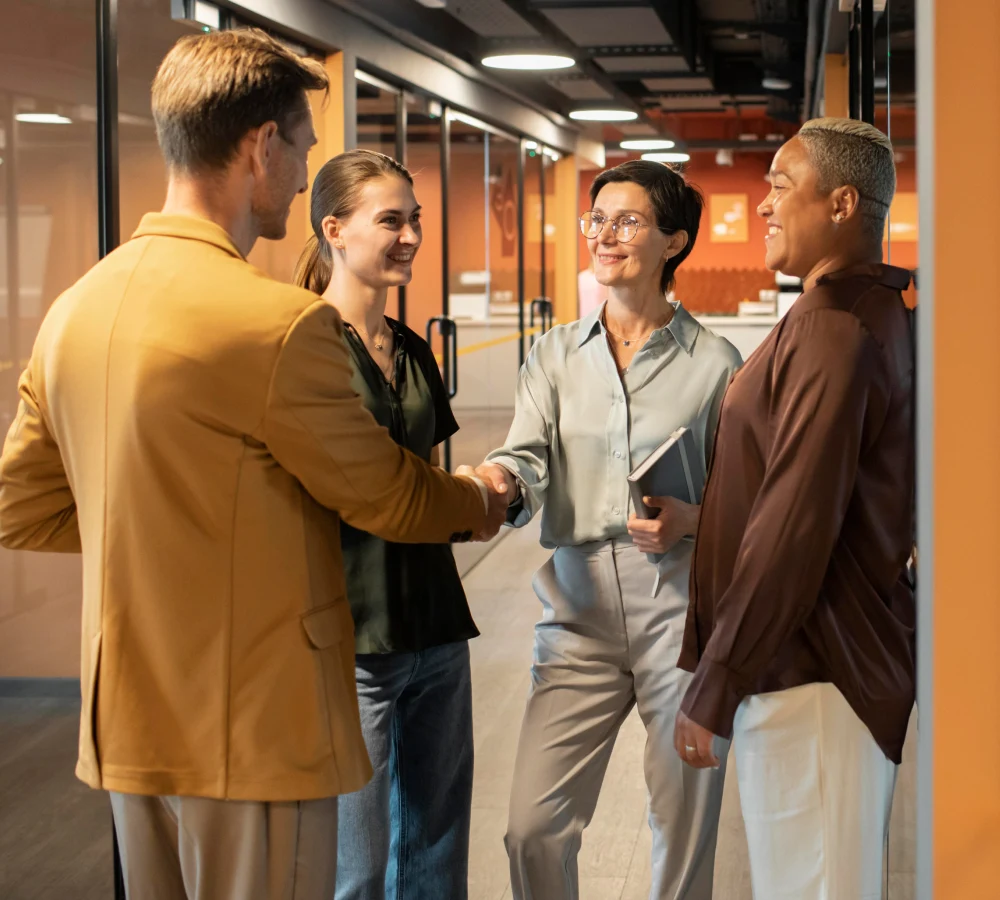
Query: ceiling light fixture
pixel 529 62
pixel 648 144
pixel 773 83
pixel 43 119
pixel 468 120
pixel 604 115
pixel 667 157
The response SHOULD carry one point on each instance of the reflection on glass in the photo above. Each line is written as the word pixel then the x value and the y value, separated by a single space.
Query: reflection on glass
pixel 425 294
pixel 146 32
pixel 483 219
pixel 534 237
pixel 48 239
pixel 549 227
pixel 376 118
pixel 376 126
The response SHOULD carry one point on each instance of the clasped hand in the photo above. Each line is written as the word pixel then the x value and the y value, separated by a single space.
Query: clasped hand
pixel 501 487
pixel 675 521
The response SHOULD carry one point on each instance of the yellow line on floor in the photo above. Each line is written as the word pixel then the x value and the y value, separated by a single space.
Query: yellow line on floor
pixel 495 342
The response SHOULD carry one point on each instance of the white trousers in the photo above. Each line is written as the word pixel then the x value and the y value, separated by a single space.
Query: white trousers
pixel 816 792
pixel 603 646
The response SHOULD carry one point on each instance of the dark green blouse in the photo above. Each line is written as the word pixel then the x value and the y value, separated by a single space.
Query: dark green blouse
pixel 404 597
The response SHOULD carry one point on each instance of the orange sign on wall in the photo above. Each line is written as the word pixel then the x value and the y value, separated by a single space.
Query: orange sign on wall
pixel 728 216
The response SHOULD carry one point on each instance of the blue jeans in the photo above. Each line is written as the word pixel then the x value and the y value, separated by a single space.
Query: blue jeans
pixel 405 835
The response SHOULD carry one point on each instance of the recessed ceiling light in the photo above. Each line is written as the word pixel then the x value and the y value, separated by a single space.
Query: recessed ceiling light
pixel 604 115
pixel 676 157
pixel 529 62
pixel 647 144
pixel 771 83
pixel 43 119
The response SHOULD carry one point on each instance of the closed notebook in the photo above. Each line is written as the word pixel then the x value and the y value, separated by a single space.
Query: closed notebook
pixel 674 469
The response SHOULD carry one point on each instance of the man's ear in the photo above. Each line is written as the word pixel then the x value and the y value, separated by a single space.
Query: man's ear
pixel 262 146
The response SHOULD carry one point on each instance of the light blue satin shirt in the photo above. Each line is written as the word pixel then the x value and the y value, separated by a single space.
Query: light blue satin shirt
pixel 579 428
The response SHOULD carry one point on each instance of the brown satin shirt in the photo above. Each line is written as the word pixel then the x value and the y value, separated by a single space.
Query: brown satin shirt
pixel 800 566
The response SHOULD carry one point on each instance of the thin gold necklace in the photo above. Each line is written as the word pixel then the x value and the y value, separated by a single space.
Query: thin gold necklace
pixel 377 342
pixel 628 341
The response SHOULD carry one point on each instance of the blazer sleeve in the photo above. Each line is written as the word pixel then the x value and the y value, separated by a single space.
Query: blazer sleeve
pixel 317 428
pixel 37 507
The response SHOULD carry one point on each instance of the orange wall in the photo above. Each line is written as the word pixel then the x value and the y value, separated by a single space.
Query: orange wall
pixel 966 521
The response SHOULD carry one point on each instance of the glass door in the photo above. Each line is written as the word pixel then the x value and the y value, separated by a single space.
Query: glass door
pixel 378 109
pixel 483 288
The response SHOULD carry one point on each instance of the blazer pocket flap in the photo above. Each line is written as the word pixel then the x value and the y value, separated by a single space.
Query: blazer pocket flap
pixel 328 625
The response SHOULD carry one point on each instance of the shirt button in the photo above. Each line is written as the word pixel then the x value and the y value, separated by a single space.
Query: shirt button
pixel 618 454
pixel 615 510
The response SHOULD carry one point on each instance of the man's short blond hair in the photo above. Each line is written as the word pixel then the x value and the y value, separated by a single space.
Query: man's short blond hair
pixel 211 89
pixel 848 152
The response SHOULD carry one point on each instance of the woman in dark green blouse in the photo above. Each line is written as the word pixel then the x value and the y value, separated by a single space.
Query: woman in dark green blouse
pixel 406 834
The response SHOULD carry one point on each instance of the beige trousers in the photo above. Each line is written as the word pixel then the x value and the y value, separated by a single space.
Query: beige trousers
pixel 193 848
pixel 816 792
pixel 603 646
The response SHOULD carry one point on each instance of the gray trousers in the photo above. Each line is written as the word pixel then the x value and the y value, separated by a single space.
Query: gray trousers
pixel 193 848
pixel 604 645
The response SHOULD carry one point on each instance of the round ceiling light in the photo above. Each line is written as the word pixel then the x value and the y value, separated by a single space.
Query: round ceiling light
pixel 676 157
pixel 604 115
pixel 772 83
pixel 647 144
pixel 529 62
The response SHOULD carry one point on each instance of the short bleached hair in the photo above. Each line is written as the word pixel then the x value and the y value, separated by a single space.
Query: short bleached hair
pixel 848 152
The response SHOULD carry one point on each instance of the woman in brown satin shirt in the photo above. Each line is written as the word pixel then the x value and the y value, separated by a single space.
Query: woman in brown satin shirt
pixel 800 630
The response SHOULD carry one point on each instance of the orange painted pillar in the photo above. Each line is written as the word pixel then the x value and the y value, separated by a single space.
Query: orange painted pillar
pixel 962 126
pixel 565 218
pixel 328 115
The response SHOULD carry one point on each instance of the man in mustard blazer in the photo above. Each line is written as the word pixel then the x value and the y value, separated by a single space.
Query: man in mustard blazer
pixel 189 426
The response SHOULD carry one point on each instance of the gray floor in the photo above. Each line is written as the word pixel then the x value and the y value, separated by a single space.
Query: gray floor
pixel 55 833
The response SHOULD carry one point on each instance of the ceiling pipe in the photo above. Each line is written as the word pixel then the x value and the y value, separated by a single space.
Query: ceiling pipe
pixel 818 29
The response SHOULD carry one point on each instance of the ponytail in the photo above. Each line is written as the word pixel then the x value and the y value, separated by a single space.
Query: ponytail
pixel 314 268
pixel 337 192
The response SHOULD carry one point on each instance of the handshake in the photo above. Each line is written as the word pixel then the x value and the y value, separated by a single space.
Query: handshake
pixel 501 489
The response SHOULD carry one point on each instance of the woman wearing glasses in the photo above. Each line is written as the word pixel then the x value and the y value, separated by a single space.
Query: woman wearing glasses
pixel 595 398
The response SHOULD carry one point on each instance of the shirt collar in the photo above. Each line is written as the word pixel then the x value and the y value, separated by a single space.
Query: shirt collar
pixel 191 227
pixel 590 324
pixel 890 276
pixel 683 327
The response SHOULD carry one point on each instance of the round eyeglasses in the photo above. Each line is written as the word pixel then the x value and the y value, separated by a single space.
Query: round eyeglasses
pixel 624 228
